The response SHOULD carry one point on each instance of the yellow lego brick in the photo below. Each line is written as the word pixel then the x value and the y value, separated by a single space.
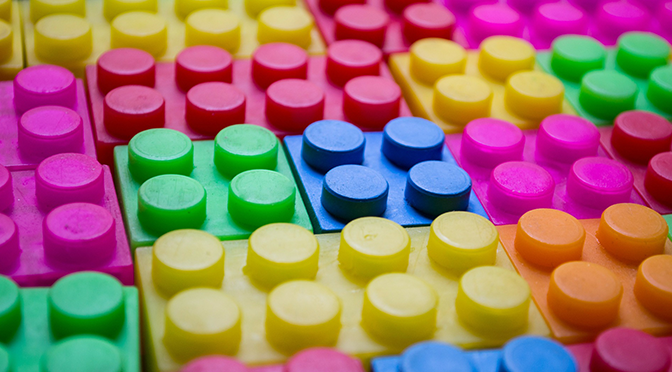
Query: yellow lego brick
pixel 291 295
pixel 11 60
pixel 450 86
pixel 163 43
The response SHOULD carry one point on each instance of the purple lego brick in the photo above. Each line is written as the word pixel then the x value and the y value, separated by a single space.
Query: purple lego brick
pixel 61 218
pixel 43 112
pixel 542 21
pixel 560 166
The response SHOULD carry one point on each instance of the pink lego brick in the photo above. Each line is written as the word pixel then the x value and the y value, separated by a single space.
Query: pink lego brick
pixel 43 112
pixel 642 141
pixel 542 21
pixel 561 166
pixel 281 89
pixel 61 218
pixel 375 21
pixel 624 350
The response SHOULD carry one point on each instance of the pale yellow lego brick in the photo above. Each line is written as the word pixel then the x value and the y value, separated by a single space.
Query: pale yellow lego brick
pixel 14 64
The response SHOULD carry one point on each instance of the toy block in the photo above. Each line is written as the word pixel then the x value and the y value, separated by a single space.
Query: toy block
pixel 601 83
pixel 451 87
pixel 309 360
pixel 372 290
pixel 405 173
pixel 161 28
pixel 43 112
pixel 523 353
pixel 61 218
pixel 561 165
pixel 286 107
pixel 85 322
pixel 668 218
pixel 623 349
pixel 540 22
pixel 641 141
pixel 11 47
pixel 248 185
pixel 393 31
pixel 593 274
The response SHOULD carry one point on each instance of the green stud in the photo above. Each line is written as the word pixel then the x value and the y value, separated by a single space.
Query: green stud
pixel 170 202
pixel 10 309
pixel 640 52
pixel 160 151
pixel 86 302
pixel 607 93
pixel 574 56
pixel 660 88
pixel 243 147
pixel 260 197
pixel 83 354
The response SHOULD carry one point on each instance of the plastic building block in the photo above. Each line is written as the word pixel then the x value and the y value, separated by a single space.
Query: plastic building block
pixel 622 350
pixel 391 30
pixel 85 322
pixel 322 359
pixel 61 218
pixel 405 174
pixel 11 47
pixel 625 256
pixel 542 21
pixel 286 108
pixel 668 218
pixel 162 28
pixel 561 165
pixel 372 290
pixel 524 353
pixel 451 87
pixel 249 184
pixel 602 83
pixel 43 112
pixel 641 141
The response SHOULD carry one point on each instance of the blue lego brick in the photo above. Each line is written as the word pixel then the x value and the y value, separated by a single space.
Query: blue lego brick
pixel 398 208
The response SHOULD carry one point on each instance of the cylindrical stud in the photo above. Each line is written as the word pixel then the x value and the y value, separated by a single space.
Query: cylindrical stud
pixel 259 197
pixel 408 141
pixel 361 22
pixel 142 30
pixel 348 59
pixel 63 38
pixel 433 58
pixel 125 66
pixel 574 56
pixel 240 148
pixel 353 191
pixel 623 349
pixel 588 185
pixel 489 142
pixel 200 64
pixel 459 99
pixel 501 56
pixel 494 19
pixel 435 187
pixel 427 20
pixel 534 95
pixel 658 178
pixel 160 151
pixel 278 61
pixel 214 106
pixel 293 104
pixel 639 135
pixel 69 178
pixel 567 138
pixel 131 109
pixel 330 143
pixel 49 130
pixel 217 27
pixel 607 93
pixel 517 187
pixel 288 24
pixel 44 85
pixel 653 285
pixel 371 101
pixel 170 202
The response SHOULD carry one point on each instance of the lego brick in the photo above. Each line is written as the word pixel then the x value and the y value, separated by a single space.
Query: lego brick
pixel 249 78
pixel 159 30
pixel 41 206
pixel 627 349
pixel 668 218
pixel 499 81
pixel 11 47
pixel 560 166
pixel 28 138
pixel 627 289
pixel 641 141
pixel 380 159
pixel 524 353
pixel 373 21
pixel 541 22
pixel 201 191
pixel 85 322
pixel 335 302
pixel 603 82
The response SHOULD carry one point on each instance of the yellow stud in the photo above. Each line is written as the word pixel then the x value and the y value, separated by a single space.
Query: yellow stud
pixel 112 8
pixel 6 40
pixel 501 56
pixel 41 8
pixel 216 27
pixel 63 38
pixel 142 30
pixel 6 10
pixel 460 99
pixel 185 7
pixel 434 58
pixel 255 7
pixel 285 24
pixel 534 94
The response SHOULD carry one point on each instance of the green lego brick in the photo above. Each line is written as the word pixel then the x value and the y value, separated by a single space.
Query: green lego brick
pixel 582 56
pixel 215 190
pixel 85 322
pixel 668 218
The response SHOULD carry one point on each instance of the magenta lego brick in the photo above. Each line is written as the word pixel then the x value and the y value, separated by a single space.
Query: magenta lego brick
pixel 390 25
pixel 561 165
pixel 405 173
pixel 61 218
pixel 43 112
pixel 642 142
pixel 542 21
pixel 238 91
pixel 309 360
pixel 624 350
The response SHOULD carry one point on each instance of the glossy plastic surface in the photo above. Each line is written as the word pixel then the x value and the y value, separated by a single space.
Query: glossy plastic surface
pixel 329 301
pixel 11 47
pixel 338 166
pixel 28 105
